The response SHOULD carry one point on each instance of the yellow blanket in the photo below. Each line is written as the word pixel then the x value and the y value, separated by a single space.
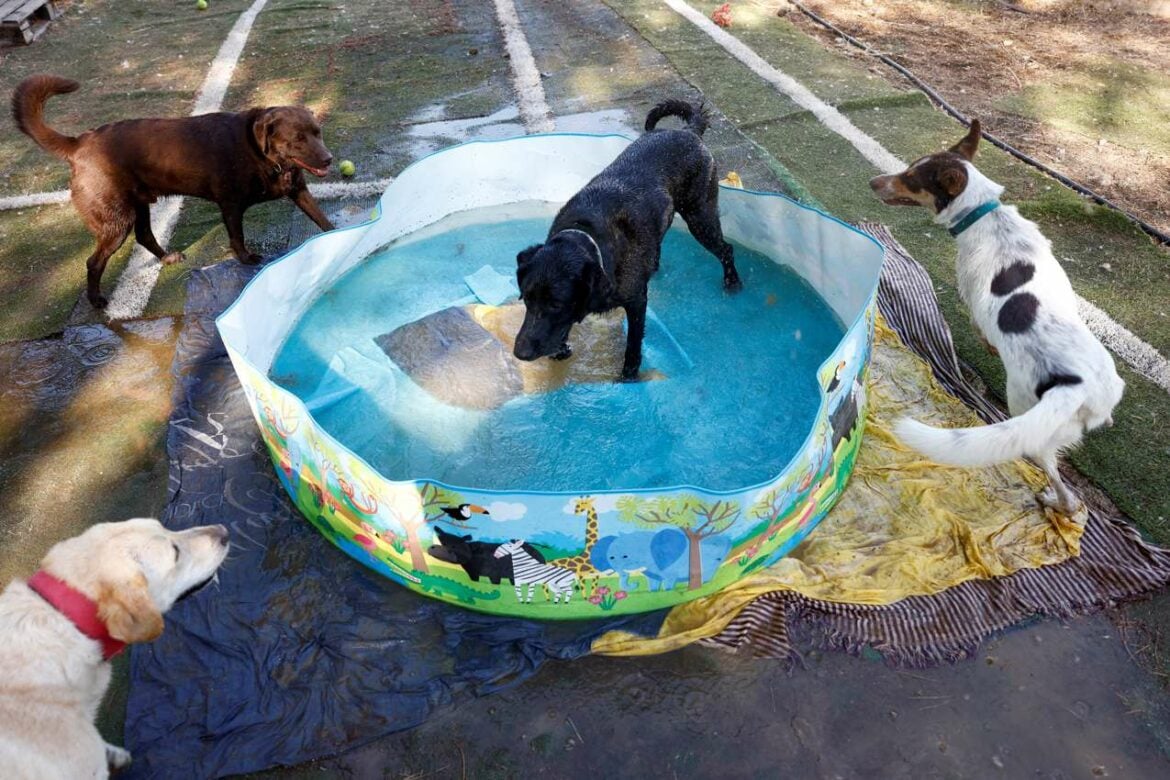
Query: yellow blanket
pixel 903 527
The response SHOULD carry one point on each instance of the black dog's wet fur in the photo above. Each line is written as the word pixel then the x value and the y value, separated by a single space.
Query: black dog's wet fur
pixel 627 209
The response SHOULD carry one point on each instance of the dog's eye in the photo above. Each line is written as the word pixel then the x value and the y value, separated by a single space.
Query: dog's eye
pixel 175 547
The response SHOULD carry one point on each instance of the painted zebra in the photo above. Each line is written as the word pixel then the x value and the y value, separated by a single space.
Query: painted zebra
pixel 526 570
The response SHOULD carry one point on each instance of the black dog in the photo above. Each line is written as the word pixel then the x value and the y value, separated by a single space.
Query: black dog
pixel 604 244
pixel 477 558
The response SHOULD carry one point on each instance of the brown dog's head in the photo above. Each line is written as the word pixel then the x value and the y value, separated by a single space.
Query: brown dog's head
pixel 290 135
pixel 136 570
pixel 932 181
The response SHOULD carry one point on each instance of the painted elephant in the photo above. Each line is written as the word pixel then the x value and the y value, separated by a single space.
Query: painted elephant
pixel 662 556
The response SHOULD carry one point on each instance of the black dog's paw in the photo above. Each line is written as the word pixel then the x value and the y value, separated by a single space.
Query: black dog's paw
pixel 252 259
pixel 100 302
pixel 565 353
pixel 629 376
pixel 732 283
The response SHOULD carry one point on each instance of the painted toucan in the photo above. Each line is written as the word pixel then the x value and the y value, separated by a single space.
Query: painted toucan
pixel 836 380
pixel 464 511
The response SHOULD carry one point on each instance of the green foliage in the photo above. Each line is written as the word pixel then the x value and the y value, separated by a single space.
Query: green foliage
pixel 686 512
pixel 448 588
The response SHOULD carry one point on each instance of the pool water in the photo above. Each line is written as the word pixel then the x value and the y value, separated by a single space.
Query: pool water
pixel 738 398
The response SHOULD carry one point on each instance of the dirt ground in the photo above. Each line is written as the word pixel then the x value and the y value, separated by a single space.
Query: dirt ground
pixel 1082 86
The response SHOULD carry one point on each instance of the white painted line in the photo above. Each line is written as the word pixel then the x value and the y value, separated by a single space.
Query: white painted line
pixel 215 85
pixel 54 198
pixel 1137 353
pixel 132 293
pixel 800 94
pixel 333 190
pixel 534 110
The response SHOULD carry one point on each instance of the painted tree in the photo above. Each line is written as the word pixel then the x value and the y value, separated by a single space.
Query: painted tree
pixel 773 506
pixel 696 518
pixel 414 510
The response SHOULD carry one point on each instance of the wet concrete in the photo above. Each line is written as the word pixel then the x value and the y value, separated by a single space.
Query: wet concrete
pixel 82 421
pixel 702 713
pixel 606 65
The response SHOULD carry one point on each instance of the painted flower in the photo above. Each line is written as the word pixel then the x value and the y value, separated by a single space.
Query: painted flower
pixel 621 594
pixel 595 599
pixel 602 590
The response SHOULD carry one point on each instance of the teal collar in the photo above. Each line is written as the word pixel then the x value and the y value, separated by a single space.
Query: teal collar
pixel 972 216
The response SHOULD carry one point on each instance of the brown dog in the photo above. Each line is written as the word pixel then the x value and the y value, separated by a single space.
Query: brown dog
pixel 119 169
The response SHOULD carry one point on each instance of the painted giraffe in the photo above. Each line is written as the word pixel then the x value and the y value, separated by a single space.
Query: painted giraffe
pixel 580 564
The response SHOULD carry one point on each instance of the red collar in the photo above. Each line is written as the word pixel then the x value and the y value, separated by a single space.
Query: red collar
pixel 79 608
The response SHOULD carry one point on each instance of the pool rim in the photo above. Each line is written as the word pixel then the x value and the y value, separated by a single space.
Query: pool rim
pixel 685 487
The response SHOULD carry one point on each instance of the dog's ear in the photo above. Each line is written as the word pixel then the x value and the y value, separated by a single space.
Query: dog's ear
pixel 525 256
pixel 970 143
pixel 953 180
pixel 263 128
pixel 128 610
pixel 523 259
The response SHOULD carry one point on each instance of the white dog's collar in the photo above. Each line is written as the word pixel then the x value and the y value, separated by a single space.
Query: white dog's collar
pixel 971 216
pixel 593 241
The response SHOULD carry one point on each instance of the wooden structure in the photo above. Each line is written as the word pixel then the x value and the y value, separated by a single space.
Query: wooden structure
pixel 23 21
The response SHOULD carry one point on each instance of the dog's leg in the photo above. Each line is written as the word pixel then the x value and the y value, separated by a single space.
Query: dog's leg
pixel 116 757
pixel 308 204
pixel 1057 495
pixel 109 239
pixel 233 220
pixel 703 220
pixel 636 322
pixel 145 236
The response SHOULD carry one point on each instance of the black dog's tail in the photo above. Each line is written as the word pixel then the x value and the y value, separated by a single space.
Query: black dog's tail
pixel 694 116
pixel 28 109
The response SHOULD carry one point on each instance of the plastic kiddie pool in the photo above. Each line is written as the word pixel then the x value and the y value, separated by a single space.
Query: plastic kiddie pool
pixel 579 550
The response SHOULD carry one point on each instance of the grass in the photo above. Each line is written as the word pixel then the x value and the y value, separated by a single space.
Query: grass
pixel 373 66
pixel 132 59
pixel 157 62
pixel 1103 98
pixel 366 73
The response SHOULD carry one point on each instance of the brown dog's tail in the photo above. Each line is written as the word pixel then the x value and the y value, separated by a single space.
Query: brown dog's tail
pixel 694 116
pixel 28 108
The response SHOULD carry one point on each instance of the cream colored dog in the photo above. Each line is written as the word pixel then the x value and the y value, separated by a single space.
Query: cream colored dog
pixel 93 594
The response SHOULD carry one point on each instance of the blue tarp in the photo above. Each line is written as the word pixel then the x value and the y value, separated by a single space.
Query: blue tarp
pixel 298 652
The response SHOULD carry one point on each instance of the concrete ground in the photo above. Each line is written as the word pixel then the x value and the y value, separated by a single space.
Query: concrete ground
pixel 84 404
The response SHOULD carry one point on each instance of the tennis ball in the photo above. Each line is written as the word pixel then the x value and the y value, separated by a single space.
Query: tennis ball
pixel 347 168
pixel 201 5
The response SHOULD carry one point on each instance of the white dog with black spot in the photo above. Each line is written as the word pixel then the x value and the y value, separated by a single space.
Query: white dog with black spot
pixel 1061 381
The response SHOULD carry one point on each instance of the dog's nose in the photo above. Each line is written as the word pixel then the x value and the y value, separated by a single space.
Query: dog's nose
pixel 876 182
pixel 220 532
pixel 328 162
pixel 524 352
